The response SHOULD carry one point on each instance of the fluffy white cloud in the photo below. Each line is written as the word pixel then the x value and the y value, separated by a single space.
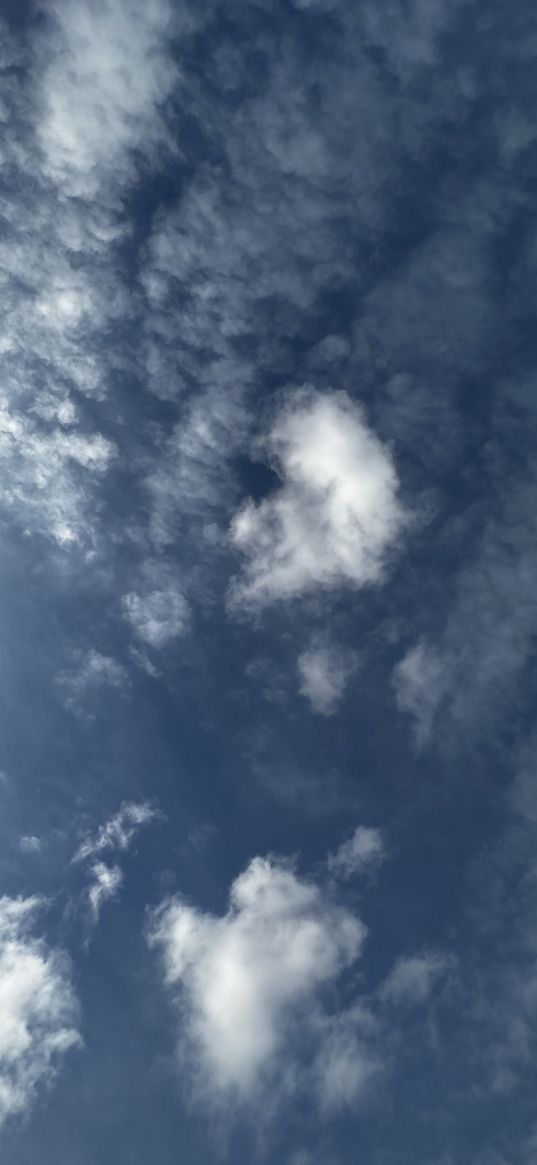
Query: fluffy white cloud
pixel 363 851
pixel 157 616
pixel 106 883
pixel 249 989
pixel 119 831
pixel 324 670
pixel 38 1009
pixel 412 978
pixel 336 512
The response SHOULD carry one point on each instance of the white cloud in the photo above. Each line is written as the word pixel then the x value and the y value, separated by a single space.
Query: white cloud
pixel 413 978
pixel 107 881
pixel 157 616
pixel 363 851
pixel 336 512
pixel 108 69
pixel 324 670
pixel 248 988
pixel 119 831
pixel 38 1009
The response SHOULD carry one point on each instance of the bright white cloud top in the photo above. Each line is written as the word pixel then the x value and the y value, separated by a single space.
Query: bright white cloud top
pixel 38 1007
pixel 248 989
pixel 336 512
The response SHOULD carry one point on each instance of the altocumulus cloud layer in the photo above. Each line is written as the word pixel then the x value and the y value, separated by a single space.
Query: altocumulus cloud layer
pixel 268 617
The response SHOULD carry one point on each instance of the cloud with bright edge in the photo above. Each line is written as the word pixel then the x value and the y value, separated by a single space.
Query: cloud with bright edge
pixel 248 988
pixel 336 512
pixel 364 850
pixel 38 1007
pixel 324 670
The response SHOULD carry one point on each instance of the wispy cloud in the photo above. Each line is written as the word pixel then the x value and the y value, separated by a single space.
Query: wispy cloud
pixel 364 850
pixel 119 831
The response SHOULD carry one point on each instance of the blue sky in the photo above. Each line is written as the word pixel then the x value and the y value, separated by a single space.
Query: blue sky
pixel 267 501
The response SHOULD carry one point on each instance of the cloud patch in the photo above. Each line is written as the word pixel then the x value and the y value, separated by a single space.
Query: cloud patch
pixel 119 831
pixel 324 670
pixel 336 512
pixel 38 1007
pixel 248 988
pixel 365 850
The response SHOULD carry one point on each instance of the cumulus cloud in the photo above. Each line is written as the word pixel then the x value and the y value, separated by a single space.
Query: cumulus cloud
pixel 248 987
pixel 38 1007
pixel 30 844
pixel 119 831
pixel 365 850
pixel 324 671
pixel 336 512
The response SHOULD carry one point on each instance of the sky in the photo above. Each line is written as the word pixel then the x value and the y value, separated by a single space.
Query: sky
pixel 268 513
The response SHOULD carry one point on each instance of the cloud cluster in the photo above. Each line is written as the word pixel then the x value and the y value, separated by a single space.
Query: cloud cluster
pixel 249 990
pixel 38 1007
pixel 106 883
pixel 336 513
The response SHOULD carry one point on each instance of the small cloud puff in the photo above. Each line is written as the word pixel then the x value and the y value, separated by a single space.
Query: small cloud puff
pixel 30 844
pixel 336 512
pixel 324 671
pixel 365 850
